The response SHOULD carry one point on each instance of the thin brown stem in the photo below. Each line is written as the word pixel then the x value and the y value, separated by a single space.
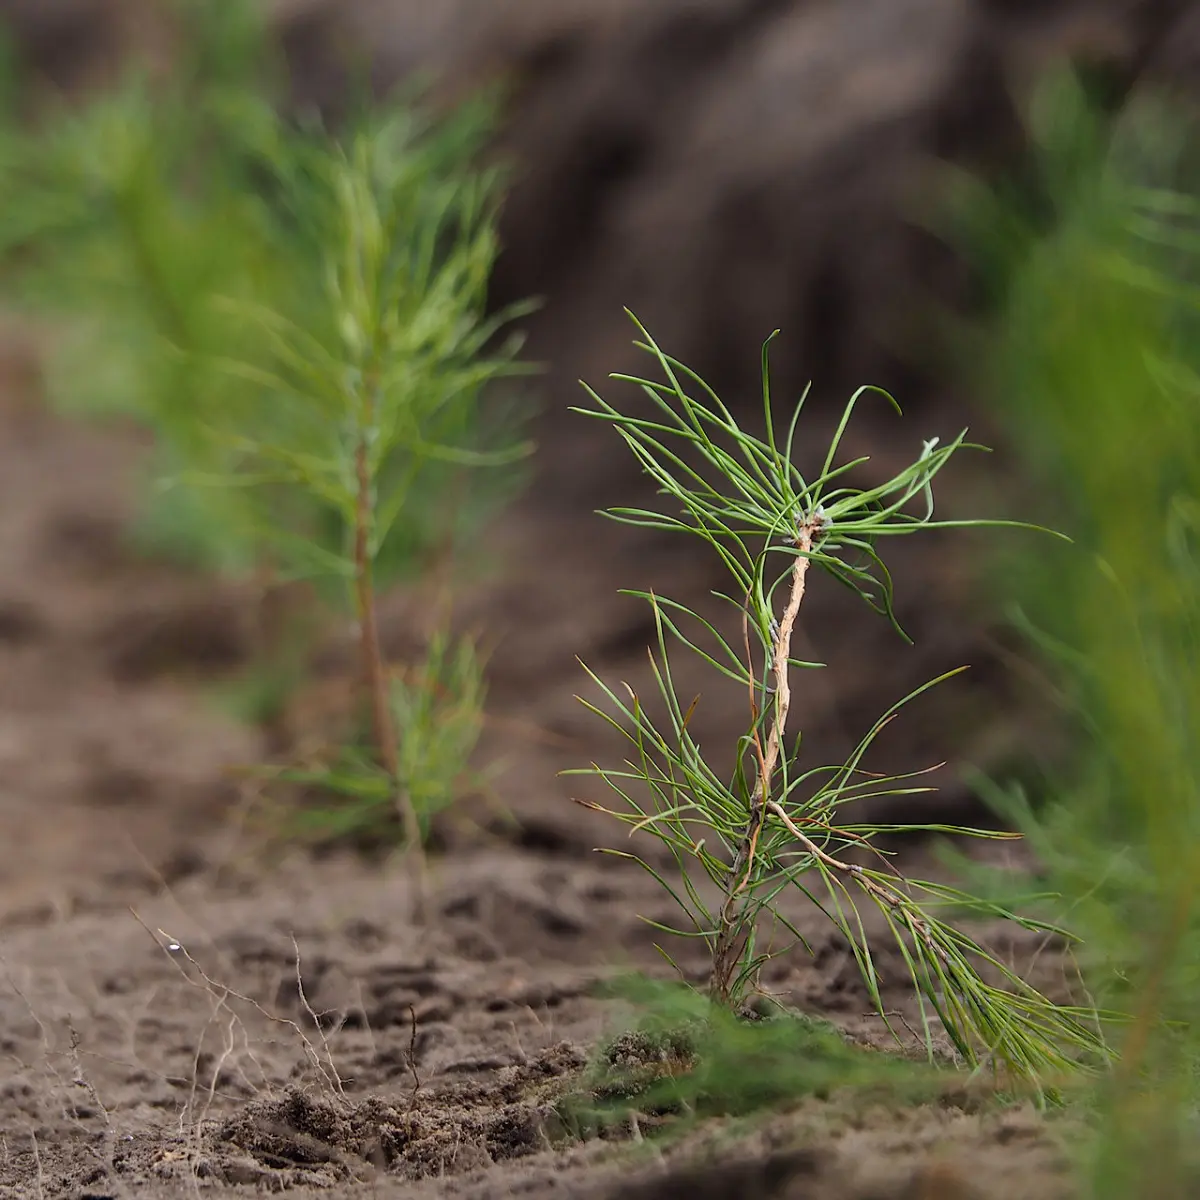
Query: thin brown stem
pixel 374 669
pixel 733 932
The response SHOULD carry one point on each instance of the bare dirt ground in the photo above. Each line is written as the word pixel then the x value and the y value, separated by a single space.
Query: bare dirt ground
pixel 179 1013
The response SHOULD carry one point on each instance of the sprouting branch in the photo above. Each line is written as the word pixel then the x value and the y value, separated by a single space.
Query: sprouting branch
pixel 885 896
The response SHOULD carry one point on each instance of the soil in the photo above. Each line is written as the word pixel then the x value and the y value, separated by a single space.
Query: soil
pixel 180 1012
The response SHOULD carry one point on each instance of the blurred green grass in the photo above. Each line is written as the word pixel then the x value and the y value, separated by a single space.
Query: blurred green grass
pixel 679 1057
pixel 1092 363
pixel 142 223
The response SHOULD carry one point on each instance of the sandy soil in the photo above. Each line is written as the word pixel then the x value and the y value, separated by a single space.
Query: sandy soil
pixel 179 1013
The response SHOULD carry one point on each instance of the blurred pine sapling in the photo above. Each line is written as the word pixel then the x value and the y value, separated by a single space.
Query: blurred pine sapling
pixel 148 221
pixel 379 384
pixel 300 320
pixel 778 823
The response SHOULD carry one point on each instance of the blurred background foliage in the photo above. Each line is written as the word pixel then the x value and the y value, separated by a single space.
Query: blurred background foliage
pixel 176 226
pixel 122 219
pixel 1092 362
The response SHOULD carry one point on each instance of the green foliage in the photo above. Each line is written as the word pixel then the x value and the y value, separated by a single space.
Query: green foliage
pixel 1094 359
pixel 777 825
pixel 123 219
pixel 438 710
pixel 380 382
pixel 248 288
pixel 684 1057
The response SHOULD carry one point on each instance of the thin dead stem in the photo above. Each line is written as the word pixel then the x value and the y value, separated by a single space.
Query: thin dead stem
pixel 200 1121
pixel 221 992
pixel 37 1161
pixel 313 1016
pixel 412 1059
pixel 78 1079
pixel 732 935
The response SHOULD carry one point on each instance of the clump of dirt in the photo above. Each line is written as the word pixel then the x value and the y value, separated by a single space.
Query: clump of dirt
pixel 297 1138
pixel 627 1089
pixel 438 1131
pixel 788 1173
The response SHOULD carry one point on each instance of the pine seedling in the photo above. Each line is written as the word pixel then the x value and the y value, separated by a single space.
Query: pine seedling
pixel 777 824
pixel 377 384
pixel 300 321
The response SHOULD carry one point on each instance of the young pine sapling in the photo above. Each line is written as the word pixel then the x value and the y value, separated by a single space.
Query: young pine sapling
pixel 300 321
pixel 379 384
pixel 776 823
